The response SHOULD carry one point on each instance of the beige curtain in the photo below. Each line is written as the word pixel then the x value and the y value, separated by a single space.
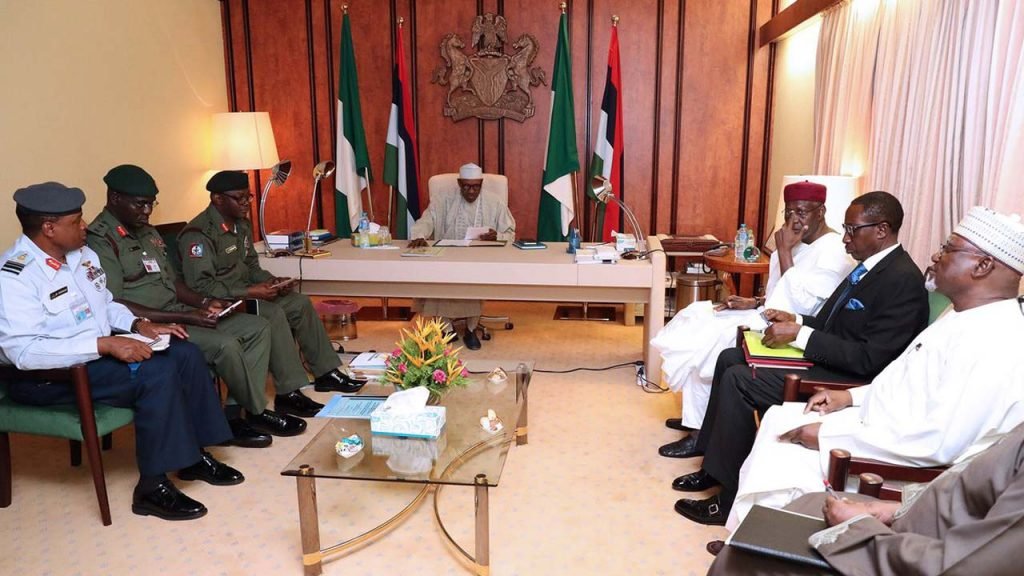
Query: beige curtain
pixel 944 90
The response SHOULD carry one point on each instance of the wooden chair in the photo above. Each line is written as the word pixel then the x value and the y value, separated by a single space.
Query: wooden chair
pixel 82 422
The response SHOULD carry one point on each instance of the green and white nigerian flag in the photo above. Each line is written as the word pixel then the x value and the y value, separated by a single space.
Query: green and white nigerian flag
pixel 353 160
pixel 561 159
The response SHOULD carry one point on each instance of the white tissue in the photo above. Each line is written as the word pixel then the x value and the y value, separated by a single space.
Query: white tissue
pixel 409 401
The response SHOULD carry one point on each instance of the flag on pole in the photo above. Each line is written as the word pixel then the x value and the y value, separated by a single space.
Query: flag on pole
pixel 561 159
pixel 353 161
pixel 401 159
pixel 607 160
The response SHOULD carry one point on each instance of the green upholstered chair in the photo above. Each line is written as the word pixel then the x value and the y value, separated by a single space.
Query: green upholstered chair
pixel 79 423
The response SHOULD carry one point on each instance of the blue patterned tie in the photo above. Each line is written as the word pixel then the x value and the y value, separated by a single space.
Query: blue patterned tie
pixel 854 279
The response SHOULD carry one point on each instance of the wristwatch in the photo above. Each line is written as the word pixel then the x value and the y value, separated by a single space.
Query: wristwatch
pixel 135 324
pixel 759 301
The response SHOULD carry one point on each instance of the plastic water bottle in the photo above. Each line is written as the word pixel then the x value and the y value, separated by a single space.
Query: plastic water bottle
pixel 740 245
pixel 574 241
pixel 751 252
pixel 364 231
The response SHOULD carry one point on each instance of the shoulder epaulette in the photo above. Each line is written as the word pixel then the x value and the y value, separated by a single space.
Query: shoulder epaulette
pixel 16 263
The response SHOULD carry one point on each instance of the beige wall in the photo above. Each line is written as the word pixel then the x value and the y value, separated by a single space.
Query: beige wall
pixel 792 146
pixel 89 84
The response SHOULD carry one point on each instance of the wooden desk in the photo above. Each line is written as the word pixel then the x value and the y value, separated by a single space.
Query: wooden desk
pixel 503 273
pixel 745 270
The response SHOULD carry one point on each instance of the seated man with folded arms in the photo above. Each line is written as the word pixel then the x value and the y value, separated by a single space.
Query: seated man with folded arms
pixel 141 276
pixel 808 264
pixel 220 261
pixel 449 220
pixel 957 387
pixel 864 325
pixel 969 520
pixel 55 311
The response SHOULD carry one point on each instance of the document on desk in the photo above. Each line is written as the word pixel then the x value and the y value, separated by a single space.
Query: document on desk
pixel 422 251
pixel 468 243
pixel 350 407
pixel 475 232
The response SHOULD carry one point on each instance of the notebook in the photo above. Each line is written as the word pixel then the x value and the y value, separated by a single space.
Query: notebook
pixel 761 356
pixel 529 244
pixel 779 533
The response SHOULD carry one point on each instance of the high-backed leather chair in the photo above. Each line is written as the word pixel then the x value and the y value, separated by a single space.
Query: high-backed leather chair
pixel 494 185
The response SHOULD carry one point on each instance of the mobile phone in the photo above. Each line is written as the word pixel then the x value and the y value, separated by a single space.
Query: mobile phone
pixel 284 282
pixel 252 306
pixel 228 310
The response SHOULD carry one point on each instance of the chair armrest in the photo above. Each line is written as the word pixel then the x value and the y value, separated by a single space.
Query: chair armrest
pixel 739 335
pixel 796 387
pixel 841 464
pixel 8 372
pixel 77 375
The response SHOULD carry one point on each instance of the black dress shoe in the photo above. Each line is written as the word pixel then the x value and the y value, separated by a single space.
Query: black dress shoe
pixel 677 424
pixel 246 436
pixel 209 470
pixel 166 502
pixel 337 381
pixel 296 404
pixel 708 512
pixel 277 424
pixel 699 481
pixel 685 448
pixel 470 340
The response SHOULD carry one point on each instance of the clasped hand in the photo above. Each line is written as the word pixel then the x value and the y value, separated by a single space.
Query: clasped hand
pixel 783 330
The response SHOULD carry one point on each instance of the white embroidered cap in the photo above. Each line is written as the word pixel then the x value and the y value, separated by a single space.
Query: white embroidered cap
pixel 999 235
pixel 471 172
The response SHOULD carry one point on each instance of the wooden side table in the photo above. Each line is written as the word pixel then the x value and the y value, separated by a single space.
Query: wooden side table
pixel 746 271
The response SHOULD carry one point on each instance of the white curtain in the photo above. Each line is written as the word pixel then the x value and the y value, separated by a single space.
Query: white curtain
pixel 935 107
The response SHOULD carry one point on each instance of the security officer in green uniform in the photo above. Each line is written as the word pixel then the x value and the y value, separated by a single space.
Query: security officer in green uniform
pixel 220 261
pixel 141 276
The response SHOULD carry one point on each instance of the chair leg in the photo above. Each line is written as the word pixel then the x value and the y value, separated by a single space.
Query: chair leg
pixel 108 441
pixel 5 470
pixel 80 382
pixel 76 452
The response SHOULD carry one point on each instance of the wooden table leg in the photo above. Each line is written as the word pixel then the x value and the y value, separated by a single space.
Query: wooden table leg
pixel 309 522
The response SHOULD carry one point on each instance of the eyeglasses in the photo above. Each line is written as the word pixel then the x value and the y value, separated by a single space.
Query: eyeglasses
pixel 243 200
pixel 799 212
pixel 143 204
pixel 851 229
pixel 946 248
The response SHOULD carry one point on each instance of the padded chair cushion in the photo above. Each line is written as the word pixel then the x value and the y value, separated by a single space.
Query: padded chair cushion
pixel 937 304
pixel 60 421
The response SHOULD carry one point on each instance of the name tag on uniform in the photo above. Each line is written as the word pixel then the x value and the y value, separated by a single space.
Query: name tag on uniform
pixel 230 249
pixel 58 293
pixel 80 310
pixel 151 265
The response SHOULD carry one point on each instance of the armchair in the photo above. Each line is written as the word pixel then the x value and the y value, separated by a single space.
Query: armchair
pixel 80 423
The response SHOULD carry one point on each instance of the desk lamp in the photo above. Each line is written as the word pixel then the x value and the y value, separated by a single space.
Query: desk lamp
pixel 320 171
pixel 603 190
pixel 278 174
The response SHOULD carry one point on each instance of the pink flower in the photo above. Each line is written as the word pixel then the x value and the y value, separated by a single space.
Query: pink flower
pixel 465 373
pixel 396 353
pixel 403 368
pixel 440 376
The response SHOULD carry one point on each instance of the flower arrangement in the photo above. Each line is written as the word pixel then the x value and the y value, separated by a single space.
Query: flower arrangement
pixel 424 358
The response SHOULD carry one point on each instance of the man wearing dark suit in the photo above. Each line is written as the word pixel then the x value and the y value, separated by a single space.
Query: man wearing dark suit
pixel 865 324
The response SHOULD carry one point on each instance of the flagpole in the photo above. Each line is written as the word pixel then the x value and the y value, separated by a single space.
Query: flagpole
pixel 369 191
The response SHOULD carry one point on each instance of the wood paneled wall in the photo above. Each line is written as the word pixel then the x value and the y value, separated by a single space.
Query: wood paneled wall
pixel 696 100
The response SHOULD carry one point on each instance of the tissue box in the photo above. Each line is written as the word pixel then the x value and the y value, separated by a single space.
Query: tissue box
pixel 624 242
pixel 426 423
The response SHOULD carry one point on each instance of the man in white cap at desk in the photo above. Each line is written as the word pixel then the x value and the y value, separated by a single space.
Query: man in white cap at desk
pixel 449 217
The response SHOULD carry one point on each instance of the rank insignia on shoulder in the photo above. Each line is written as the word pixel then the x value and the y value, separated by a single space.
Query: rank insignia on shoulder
pixel 13 267
pixel 196 250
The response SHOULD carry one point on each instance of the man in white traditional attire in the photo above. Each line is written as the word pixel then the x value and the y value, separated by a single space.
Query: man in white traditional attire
pixel 957 387
pixel 808 264
pixel 450 217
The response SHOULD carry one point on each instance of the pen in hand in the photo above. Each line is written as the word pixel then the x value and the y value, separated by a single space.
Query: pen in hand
pixel 828 488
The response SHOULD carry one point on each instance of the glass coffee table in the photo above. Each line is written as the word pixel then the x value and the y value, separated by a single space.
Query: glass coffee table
pixel 463 455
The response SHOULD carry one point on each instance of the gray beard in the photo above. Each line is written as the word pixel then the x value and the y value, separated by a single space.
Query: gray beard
pixel 929 282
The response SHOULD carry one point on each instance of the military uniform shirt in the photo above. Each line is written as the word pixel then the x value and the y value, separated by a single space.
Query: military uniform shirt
pixel 140 270
pixel 52 313
pixel 219 260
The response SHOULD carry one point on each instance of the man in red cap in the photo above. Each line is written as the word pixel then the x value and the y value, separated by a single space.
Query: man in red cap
pixel 809 262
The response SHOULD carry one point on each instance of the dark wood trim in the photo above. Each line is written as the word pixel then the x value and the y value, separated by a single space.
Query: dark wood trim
pixel 766 142
pixel 481 149
pixel 501 121
pixel 748 96
pixel 332 87
pixel 229 55
pixel 315 119
pixel 656 142
pixel 677 136
pixel 794 15
pixel 247 39
pixel 412 79
pixel 588 119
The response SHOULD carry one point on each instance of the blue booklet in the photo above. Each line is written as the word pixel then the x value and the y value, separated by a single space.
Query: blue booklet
pixel 529 244
pixel 351 407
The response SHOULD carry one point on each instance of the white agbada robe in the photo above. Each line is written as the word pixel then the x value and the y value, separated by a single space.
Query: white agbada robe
pixel 691 342
pixel 956 389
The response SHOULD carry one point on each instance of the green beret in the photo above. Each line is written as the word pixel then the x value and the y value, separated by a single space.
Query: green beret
pixel 49 199
pixel 130 180
pixel 228 181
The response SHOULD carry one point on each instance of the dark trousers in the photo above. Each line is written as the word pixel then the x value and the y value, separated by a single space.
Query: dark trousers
pixel 176 406
pixel 728 432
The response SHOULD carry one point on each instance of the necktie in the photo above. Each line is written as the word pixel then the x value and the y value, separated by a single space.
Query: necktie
pixel 853 279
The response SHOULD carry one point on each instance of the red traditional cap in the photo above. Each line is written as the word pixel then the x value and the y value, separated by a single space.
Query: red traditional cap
pixel 806 190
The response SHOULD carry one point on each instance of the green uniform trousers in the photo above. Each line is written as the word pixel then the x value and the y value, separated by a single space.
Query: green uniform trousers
pixel 292 318
pixel 239 351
